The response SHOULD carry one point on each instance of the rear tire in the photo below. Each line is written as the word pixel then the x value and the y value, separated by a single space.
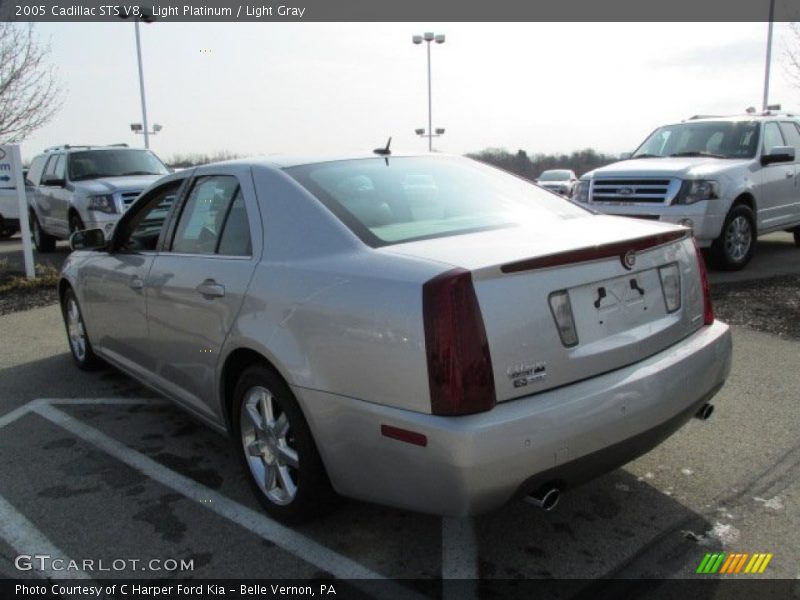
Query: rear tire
pixel 796 232
pixel 277 449
pixel 43 241
pixel 79 344
pixel 734 247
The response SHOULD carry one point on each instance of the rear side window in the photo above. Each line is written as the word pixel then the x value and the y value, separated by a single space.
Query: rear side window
pixel 791 132
pixel 201 228
pixel 772 136
pixel 395 200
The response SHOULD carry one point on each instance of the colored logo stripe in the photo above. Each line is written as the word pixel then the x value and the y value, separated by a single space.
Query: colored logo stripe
pixel 734 562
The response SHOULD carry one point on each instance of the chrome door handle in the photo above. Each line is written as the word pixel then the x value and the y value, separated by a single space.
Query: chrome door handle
pixel 136 283
pixel 210 289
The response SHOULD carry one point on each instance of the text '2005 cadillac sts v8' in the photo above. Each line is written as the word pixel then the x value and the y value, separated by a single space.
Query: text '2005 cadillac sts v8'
pixel 444 347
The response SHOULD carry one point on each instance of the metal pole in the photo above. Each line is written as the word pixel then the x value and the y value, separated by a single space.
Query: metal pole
pixel 22 202
pixel 430 117
pixel 769 55
pixel 141 87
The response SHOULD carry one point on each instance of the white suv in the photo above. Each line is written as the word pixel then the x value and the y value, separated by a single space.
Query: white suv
pixel 70 188
pixel 728 178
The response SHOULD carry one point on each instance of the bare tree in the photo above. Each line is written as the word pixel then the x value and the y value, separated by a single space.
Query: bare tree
pixel 793 54
pixel 29 93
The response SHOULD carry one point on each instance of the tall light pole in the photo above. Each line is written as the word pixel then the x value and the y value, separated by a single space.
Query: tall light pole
pixel 769 56
pixel 147 18
pixel 429 37
pixel 141 85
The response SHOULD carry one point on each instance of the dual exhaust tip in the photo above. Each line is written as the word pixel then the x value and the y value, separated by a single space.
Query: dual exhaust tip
pixel 548 496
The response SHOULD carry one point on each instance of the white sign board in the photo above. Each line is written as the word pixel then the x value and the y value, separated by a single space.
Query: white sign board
pixel 11 178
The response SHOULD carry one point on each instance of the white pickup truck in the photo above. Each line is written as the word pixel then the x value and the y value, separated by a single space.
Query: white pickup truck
pixel 728 178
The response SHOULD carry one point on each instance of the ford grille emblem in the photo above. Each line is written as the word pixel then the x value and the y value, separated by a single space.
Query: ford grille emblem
pixel 628 259
pixel 625 191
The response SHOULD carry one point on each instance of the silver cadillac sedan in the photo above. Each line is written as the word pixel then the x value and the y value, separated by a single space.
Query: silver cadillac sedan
pixel 421 331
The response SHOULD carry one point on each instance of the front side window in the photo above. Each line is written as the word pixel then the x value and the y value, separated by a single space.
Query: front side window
pixel 722 139
pixel 210 204
pixel 772 136
pixel 35 172
pixel 96 164
pixel 407 198
pixel 143 231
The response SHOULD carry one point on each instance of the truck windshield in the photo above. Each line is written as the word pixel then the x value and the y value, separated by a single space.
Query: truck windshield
pixel 94 164
pixel 721 139
pixel 419 197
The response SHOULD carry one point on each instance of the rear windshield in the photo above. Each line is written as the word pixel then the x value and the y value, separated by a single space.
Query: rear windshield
pixel 554 176
pixel 411 198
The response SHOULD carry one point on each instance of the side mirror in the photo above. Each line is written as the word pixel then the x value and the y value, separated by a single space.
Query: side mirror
pixel 88 239
pixel 53 181
pixel 625 155
pixel 778 154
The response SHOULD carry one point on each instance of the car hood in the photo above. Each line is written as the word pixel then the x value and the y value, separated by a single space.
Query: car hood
pixel 682 167
pixel 109 185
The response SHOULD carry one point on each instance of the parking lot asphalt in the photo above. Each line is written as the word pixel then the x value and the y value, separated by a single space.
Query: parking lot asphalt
pixel 776 254
pixel 94 466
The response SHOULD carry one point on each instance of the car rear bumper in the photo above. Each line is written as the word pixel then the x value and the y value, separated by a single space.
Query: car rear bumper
pixel 479 462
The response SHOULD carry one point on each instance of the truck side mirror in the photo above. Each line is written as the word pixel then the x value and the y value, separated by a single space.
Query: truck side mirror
pixel 778 154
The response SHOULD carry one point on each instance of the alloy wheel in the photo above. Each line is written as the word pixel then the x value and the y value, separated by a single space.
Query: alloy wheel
pixel 76 330
pixel 268 445
pixel 738 238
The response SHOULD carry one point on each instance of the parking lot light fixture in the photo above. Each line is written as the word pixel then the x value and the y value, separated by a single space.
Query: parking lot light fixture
pixel 429 37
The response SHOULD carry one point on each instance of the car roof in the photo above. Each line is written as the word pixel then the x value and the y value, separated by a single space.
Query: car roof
pixel 741 118
pixel 281 161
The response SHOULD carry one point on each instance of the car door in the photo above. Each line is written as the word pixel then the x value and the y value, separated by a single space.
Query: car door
pixel 114 282
pixel 791 133
pixel 777 183
pixel 197 283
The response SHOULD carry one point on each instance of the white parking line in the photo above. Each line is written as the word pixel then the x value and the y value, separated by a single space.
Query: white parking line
pixel 255 522
pixel 459 558
pixel 26 539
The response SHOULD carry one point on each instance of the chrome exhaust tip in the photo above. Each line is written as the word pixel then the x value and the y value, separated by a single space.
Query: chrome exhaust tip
pixel 547 499
pixel 705 412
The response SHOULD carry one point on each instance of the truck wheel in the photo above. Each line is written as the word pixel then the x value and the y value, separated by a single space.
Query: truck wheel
pixel 276 447
pixel 796 232
pixel 75 223
pixel 43 241
pixel 733 249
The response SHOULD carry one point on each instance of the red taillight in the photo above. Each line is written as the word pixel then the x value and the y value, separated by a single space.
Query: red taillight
pixel 459 364
pixel 708 307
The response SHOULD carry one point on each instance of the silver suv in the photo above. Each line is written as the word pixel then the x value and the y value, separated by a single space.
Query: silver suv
pixel 70 188
pixel 728 178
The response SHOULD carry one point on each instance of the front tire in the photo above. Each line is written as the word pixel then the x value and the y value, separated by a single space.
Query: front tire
pixel 734 248
pixel 75 223
pixel 79 344
pixel 43 241
pixel 277 449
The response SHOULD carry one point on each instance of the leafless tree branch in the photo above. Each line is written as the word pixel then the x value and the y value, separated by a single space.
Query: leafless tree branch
pixel 29 93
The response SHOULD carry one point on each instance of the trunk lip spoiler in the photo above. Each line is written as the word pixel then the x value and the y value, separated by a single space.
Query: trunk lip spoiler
pixel 592 253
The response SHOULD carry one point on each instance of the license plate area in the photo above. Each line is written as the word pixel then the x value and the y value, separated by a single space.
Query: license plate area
pixel 613 306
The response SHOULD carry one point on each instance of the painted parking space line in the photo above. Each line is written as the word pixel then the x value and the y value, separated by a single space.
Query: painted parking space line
pixel 19 412
pixel 26 539
pixel 254 522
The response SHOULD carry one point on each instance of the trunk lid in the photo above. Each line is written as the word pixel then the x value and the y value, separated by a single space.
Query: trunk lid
pixel 619 311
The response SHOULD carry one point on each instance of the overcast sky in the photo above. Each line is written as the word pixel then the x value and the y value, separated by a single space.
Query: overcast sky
pixel 326 88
